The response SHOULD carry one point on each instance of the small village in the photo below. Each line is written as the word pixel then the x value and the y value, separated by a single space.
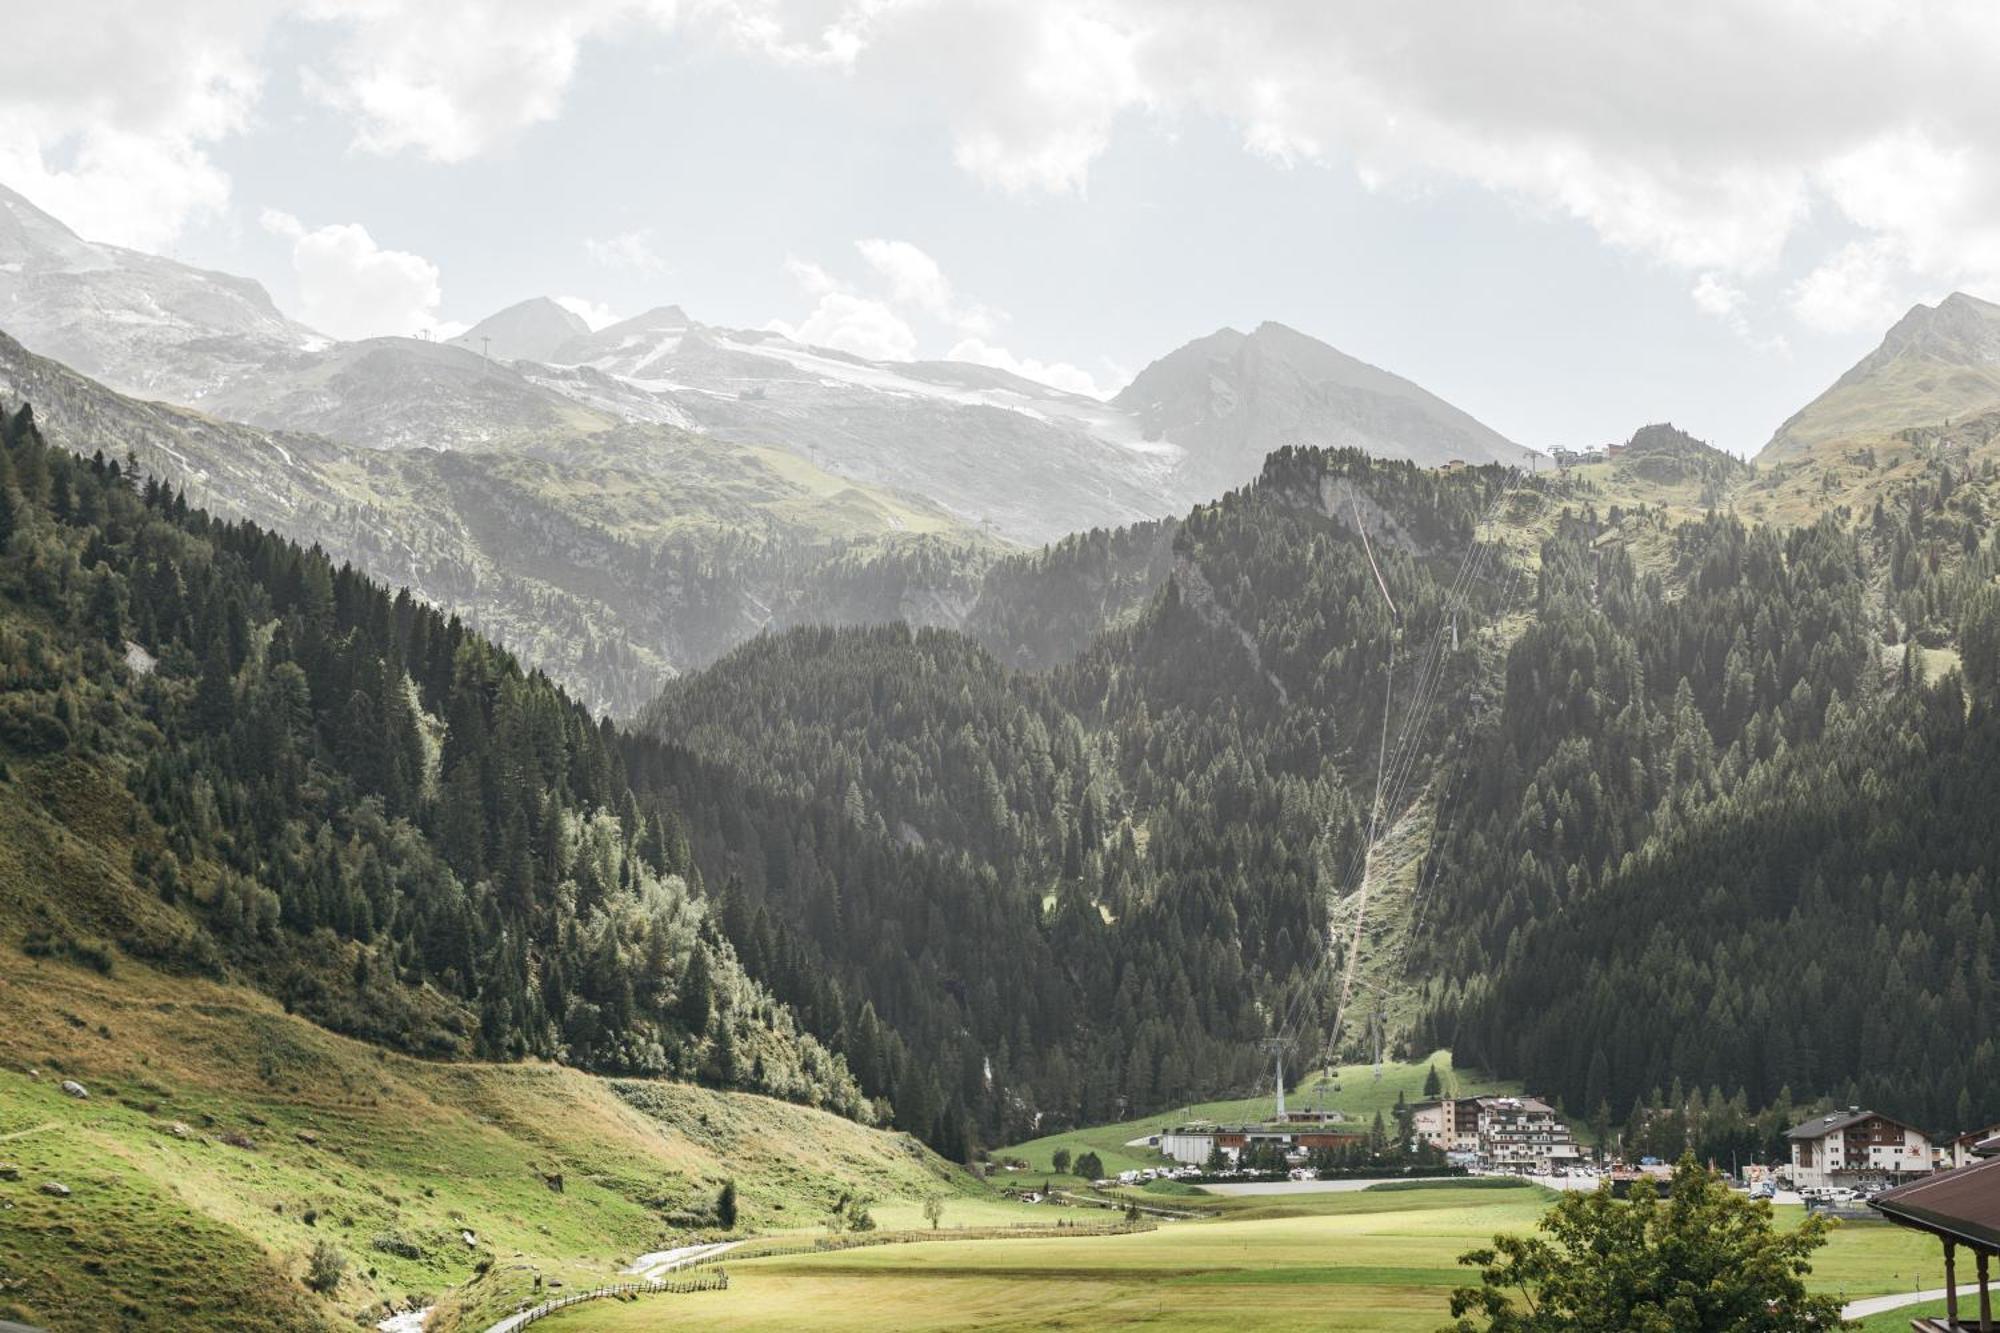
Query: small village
pixel 1841 1157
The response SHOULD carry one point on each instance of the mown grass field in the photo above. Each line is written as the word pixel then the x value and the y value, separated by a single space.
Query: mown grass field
pixel 1372 1260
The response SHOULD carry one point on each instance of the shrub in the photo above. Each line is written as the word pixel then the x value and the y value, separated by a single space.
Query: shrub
pixel 325 1267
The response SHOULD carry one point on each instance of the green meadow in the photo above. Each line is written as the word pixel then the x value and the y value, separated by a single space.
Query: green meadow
pixel 1367 1260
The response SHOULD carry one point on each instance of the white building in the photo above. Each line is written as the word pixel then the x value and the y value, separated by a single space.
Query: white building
pixel 1967 1148
pixel 1855 1146
pixel 1524 1134
pixel 1508 1133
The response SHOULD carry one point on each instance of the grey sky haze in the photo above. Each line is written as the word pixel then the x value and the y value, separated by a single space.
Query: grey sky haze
pixel 1568 220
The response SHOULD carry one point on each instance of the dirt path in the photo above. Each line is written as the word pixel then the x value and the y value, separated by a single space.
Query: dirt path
pixel 32 1129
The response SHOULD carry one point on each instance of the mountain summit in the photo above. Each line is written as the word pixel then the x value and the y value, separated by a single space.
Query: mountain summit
pixel 1938 362
pixel 530 330
pixel 140 322
pixel 1231 398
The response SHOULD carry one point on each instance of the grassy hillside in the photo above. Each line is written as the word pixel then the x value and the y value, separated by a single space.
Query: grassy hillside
pixel 223 1139
pixel 1937 364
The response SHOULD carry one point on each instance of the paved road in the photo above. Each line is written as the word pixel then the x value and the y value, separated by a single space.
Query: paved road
pixel 1297 1186
pixel 662 1262
pixel 652 1267
pixel 1343 1186
pixel 1877 1304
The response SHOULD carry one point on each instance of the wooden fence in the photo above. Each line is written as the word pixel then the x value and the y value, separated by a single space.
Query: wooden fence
pixel 718 1280
pixel 779 1248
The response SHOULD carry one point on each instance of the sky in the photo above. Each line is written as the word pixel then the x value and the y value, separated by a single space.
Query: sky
pixel 1568 219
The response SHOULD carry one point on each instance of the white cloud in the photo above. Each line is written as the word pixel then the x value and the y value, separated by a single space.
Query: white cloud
pixel 108 110
pixel 848 322
pixel 350 287
pixel 1701 140
pixel 628 249
pixel 594 313
pixel 452 79
pixel 915 279
pixel 913 276
pixel 1854 290
pixel 1057 374
pixel 1715 295
pixel 880 325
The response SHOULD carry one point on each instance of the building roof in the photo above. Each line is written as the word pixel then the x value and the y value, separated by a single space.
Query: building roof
pixel 1973 1138
pixel 1821 1126
pixel 1963 1204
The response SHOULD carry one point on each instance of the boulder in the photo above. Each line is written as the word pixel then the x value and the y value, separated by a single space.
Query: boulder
pixel 9 1171
pixel 308 1136
pixel 236 1139
pixel 75 1089
pixel 56 1188
pixel 180 1130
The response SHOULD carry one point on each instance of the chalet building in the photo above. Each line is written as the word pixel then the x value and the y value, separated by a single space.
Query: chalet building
pixel 1194 1144
pixel 1970 1147
pixel 1449 1125
pixel 1524 1134
pixel 1852 1146
pixel 1506 1133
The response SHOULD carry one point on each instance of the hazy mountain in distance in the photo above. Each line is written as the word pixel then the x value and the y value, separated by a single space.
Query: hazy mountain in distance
pixel 531 330
pixel 610 559
pixel 404 393
pixel 1231 398
pixel 1938 363
pixel 1023 461
pixel 141 323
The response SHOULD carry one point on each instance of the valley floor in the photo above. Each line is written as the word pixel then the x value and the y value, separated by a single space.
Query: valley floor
pixel 1351 1261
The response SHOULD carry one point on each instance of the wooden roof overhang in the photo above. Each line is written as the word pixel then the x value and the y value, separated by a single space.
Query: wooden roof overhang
pixel 1961 1206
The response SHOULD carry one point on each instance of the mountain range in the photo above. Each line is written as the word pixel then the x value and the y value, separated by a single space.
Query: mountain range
pixel 625 503
pixel 1659 782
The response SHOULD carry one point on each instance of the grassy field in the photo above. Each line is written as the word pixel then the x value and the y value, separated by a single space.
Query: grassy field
pixel 1371 1260
pixel 1354 1090
pixel 222 1139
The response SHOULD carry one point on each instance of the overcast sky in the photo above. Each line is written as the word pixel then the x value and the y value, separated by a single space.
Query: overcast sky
pixel 1568 219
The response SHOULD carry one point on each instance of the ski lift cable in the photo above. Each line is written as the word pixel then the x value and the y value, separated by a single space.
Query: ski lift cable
pixel 1470 568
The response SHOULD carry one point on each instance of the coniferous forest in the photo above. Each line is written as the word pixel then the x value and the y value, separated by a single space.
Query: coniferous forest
pixel 878 870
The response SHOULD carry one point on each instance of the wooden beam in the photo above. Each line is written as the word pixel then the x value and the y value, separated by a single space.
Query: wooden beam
pixel 1985 1297
pixel 1950 1285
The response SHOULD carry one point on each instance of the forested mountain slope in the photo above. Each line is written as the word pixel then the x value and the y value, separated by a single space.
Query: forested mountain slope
pixel 1185 794
pixel 1091 890
pixel 1720 832
pixel 342 797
